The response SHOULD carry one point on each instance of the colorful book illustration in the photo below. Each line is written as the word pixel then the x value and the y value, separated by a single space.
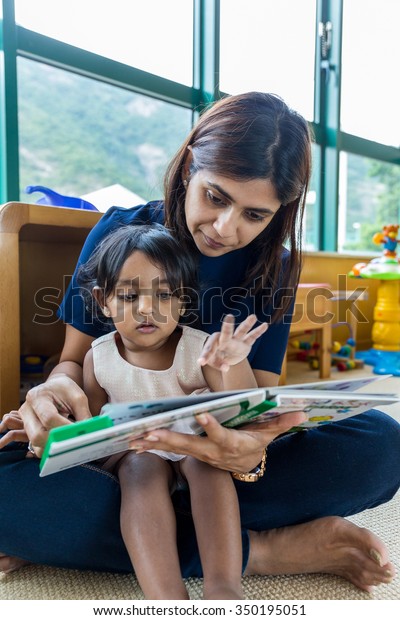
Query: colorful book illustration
pixel 118 424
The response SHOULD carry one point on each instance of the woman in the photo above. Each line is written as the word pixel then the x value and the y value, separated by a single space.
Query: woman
pixel 234 193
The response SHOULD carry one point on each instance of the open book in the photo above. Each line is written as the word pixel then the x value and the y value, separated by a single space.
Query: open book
pixel 118 424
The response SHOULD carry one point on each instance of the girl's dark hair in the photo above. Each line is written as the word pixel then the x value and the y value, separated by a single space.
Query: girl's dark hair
pixel 161 248
pixel 246 137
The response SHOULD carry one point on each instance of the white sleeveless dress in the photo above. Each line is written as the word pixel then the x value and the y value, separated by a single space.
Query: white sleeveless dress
pixel 124 382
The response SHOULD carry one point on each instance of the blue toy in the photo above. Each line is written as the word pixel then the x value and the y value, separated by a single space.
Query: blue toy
pixel 58 200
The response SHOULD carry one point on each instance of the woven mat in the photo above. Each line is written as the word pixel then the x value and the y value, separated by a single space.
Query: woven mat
pixel 46 583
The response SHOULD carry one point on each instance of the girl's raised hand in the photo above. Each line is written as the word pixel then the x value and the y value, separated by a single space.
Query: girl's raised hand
pixel 230 346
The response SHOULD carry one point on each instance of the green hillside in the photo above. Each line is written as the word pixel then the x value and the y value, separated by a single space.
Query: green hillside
pixel 78 135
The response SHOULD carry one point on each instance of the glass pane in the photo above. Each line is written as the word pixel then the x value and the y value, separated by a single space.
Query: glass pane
pixel 370 71
pixel 311 222
pixel 269 46
pixel 369 198
pixel 155 36
pixel 78 135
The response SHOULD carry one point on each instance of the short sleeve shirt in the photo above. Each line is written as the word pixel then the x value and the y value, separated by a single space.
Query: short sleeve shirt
pixel 220 290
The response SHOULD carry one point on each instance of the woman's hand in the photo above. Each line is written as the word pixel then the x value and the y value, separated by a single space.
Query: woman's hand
pixel 13 426
pixel 49 405
pixel 224 448
pixel 230 346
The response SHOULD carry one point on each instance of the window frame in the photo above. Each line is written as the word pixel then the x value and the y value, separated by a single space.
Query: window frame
pixel 18 41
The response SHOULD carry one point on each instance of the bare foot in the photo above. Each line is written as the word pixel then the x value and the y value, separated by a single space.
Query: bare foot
pixel 9 564
pixel 327 545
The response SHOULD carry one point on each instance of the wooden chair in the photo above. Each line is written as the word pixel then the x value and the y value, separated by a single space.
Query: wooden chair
pixel 313 312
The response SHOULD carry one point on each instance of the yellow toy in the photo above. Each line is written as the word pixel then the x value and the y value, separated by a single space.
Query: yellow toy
pixel 385 352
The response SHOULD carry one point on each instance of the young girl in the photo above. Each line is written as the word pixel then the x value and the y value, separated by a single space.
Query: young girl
pixel 142 282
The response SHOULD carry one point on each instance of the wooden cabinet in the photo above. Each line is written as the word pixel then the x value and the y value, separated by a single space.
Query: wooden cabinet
pixel 39 247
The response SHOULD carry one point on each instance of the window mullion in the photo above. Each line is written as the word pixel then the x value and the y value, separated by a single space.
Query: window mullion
pixel 9 168
pixel 206 50
pixel 329 63
pixel 70 58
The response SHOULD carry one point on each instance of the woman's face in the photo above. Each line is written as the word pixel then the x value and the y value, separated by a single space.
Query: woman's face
pixel 223 215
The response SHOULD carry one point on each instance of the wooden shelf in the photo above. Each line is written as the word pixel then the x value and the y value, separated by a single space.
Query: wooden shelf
pixel 39 247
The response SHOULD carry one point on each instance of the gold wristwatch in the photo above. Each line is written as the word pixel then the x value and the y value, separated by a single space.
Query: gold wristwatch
pixel 255 474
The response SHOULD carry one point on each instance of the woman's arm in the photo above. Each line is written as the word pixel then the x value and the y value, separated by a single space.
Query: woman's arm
pixel 229 449
pixel 76 345
pixel 96 396
pixel 49 404
pixel 225 448
pixel 237 450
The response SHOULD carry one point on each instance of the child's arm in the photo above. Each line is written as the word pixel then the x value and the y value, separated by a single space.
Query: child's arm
pixel 224 357
pixel 96 396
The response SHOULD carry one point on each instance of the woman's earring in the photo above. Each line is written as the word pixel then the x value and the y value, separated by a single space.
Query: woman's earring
pixel 106 312
pixel 185 183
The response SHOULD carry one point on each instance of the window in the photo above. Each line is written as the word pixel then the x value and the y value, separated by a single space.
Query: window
pixel 269 46
pixel 155 36
pixel 107 91
pixel 369 199
pixel 370 72
pixel 78 135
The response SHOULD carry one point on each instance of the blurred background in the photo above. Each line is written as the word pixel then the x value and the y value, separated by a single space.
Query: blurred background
pixel 97 95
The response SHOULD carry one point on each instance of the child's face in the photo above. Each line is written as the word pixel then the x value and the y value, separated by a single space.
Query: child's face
pixel 142 306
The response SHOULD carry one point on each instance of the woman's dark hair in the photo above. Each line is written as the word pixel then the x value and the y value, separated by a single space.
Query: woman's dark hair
pixel 246 137
pixel 160 247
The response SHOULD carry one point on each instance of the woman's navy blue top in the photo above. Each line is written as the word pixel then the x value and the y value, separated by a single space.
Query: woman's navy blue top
pixel 221 291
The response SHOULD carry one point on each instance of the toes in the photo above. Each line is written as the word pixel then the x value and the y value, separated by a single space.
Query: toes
pixel 389 572
pixel 6 564
pixel 372 575
pixel 9 564
pixel 378 553
pixel 376 556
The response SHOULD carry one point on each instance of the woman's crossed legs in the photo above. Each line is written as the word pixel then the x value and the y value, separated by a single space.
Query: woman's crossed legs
pixel 336 470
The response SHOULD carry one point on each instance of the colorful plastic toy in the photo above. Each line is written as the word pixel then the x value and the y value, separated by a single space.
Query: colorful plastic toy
pixel 50 197
pixel 385 353
pixel 388 237
pixel 343 356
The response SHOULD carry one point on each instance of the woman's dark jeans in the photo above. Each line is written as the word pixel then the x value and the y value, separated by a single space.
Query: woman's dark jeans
pixel 71 519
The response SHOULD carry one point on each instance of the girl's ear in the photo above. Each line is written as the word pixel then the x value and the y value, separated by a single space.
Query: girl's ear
pixel 98 294
pixel 186 166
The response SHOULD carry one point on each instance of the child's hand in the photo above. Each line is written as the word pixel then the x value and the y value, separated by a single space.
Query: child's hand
pixel 230 346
